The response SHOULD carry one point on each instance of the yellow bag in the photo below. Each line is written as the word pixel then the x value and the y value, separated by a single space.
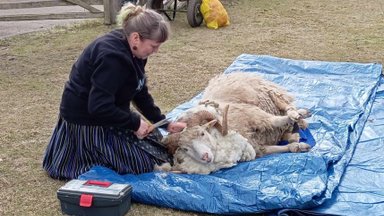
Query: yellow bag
pixel 214 14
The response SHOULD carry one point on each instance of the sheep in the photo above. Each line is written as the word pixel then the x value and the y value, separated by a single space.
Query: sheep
pixel 261 113
pixel 207 148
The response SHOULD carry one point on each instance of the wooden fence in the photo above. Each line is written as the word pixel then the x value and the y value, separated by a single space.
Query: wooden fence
pixel 111 7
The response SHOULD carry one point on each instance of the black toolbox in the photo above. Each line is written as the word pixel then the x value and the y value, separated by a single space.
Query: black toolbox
pixel 96 198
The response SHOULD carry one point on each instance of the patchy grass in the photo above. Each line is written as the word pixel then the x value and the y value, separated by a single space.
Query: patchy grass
pixel 35 66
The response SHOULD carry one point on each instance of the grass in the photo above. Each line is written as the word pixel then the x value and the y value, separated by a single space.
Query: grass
pixel 35 66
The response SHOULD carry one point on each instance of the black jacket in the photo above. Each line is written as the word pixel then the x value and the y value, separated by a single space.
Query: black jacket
pixel 103 82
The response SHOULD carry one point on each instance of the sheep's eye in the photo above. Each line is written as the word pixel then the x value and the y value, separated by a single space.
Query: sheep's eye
pixel 201 133
pixel 184 149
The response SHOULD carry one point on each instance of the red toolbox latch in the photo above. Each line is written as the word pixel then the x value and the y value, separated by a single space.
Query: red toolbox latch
pixel 86 200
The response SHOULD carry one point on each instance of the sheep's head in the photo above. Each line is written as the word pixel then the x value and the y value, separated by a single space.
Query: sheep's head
pixel 196 117
pixel 205 113
pixel 196 142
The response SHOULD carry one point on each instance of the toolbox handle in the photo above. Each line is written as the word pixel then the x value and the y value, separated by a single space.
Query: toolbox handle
pixel 98 183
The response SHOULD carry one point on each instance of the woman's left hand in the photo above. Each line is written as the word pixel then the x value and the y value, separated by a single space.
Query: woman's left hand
pixel 175 127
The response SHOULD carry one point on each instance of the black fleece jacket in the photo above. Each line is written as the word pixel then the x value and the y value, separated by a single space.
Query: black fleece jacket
pixel 103 82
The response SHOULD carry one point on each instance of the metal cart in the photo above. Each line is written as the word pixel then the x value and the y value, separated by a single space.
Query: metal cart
pixel 194 16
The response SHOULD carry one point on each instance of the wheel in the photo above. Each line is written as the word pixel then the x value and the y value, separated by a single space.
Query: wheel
pixel 194 16
pixel 155 4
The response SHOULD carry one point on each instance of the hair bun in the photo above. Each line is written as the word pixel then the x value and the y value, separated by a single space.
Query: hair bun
pixel 127 11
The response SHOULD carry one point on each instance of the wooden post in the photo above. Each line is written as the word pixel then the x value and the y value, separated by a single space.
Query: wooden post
pixel 111 8
pixel 142 2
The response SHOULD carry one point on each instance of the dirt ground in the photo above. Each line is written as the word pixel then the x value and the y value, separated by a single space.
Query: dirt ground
pixel 35 66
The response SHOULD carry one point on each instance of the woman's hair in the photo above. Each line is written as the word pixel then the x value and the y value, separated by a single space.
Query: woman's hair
pixel 146 22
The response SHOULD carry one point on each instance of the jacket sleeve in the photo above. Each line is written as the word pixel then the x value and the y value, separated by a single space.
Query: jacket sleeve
pixel 145 104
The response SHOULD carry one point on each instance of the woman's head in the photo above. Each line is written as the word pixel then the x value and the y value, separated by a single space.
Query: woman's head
pixel 145 29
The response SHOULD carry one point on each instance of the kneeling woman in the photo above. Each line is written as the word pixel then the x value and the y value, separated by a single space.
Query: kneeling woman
pixel 96 125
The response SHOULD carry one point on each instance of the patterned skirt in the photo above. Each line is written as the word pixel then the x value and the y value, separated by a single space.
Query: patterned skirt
pixel 74 149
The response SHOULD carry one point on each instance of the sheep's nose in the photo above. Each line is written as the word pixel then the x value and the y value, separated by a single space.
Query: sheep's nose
pixel 206 157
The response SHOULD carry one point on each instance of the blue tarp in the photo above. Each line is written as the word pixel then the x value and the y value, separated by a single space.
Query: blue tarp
pixel 361 191
pixel 340 96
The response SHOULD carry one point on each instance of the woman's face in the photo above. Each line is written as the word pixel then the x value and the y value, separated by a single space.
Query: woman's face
pixel 145 48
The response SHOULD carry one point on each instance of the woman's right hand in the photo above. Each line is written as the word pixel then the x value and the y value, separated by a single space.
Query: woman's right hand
pixel 143 129
pixel 175 127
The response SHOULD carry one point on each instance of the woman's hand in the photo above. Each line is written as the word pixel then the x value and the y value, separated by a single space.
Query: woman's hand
pixel 175 127
pixel 143 129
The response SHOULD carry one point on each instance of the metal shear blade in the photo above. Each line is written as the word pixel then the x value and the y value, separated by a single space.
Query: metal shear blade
pixel 159 123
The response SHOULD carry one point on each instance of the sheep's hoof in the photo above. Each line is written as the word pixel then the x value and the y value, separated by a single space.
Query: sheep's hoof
pixel 299 147
pixel 293 115
pixel 304 113
pixel 296 115
pixel 302 124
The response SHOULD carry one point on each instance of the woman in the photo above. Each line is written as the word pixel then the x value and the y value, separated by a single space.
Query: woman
pixel 96 125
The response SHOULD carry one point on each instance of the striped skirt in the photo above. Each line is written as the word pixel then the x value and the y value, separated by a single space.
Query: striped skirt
pixel 74 149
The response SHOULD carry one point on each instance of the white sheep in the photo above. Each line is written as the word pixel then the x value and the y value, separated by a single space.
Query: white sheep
pixel 207 148
pixel 260 111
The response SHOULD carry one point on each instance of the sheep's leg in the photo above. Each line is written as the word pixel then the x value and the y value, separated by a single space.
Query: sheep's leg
pixel 298 147
pixel 281 103
pixel 304 113
pixel 297 114
pixel 291 147
pixel 223 165
pixel 286 107
pixel 267 150
pixel 166 167
pixel 302 124
pixel 281 121
pixel 292 134
pixel 248 153
pixel 291 128
pixel 291 137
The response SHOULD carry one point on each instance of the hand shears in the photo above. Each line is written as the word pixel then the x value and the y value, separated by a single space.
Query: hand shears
pixel 158 124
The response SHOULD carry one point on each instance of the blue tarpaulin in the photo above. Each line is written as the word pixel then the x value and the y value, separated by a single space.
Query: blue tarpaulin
pixel 361 190
pixel 342 171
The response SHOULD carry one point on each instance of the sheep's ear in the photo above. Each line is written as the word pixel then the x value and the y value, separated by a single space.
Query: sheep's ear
pixel 210 124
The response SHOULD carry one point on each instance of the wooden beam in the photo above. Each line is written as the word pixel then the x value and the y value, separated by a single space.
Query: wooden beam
pixel 73 15
pixel 37 4
pixel 20 5
pixel 84 5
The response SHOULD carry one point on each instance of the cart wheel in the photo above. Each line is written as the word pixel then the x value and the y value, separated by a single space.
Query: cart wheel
pixel 194 16
pixel 155 4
